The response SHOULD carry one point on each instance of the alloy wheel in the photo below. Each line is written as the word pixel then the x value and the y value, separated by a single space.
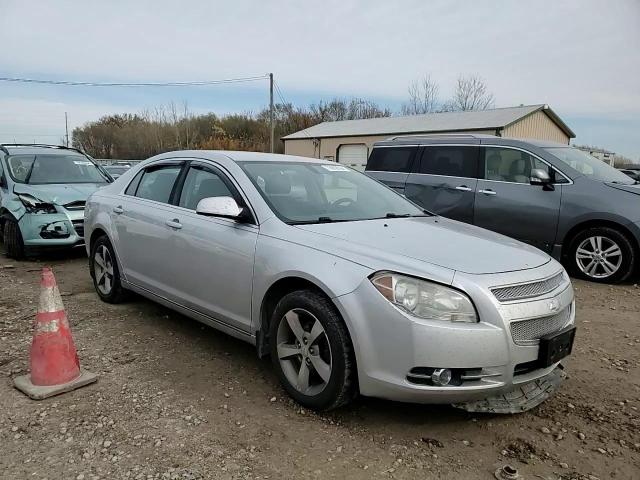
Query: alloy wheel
pixel 598 257
pixel 103 267
pixel 304 352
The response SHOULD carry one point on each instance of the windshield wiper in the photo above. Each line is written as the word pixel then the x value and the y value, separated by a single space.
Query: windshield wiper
pixel 397 215
pixel 26 179
pixel 318 220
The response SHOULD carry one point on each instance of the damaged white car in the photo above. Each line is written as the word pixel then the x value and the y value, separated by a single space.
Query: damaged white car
pixel 43 190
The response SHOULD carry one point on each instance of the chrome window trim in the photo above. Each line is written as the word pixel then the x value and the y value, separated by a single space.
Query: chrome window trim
pixel 569 181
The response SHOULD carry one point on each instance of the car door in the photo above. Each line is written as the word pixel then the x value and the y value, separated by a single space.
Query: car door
pixel 141 219
pixel 507 203
pixel 444 180
pixel 391 165
pixel 211 257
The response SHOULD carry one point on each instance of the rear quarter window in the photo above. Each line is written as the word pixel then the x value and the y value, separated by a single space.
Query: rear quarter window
pixel 391 159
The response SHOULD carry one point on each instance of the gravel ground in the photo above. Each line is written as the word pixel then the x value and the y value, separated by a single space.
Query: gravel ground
pixel 177 400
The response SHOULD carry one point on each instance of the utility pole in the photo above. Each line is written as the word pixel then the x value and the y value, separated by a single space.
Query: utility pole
pixel 271 109
pixel 66 129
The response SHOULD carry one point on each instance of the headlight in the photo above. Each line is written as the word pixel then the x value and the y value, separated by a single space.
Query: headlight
pixel 425 299
pixel 34 205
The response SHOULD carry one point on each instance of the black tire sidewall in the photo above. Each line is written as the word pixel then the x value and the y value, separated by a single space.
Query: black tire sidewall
pixel 339 343
pixel 12 238
pixel 629 257
pixel 116 293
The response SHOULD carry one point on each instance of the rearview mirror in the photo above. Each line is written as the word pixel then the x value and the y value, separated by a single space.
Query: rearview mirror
pixel 539 177
pixel 225 207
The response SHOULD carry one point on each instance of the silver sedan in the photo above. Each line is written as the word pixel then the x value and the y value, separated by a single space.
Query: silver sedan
pixel 348 286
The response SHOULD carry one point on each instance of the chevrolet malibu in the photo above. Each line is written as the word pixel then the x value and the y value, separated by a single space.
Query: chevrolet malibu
pixel 349 287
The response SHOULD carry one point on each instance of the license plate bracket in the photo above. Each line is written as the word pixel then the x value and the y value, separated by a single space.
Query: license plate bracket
pixel 555 346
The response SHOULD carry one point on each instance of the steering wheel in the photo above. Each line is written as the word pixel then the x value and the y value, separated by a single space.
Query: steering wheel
pixel 342 202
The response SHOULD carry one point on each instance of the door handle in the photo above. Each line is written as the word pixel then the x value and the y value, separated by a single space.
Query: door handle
pixel 118 209
pixel 488 191
pixel 464 188
pixel 175 224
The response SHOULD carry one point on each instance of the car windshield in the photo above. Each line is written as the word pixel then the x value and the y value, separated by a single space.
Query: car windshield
pixel 316 193
pixel 589 166
pixel 44 169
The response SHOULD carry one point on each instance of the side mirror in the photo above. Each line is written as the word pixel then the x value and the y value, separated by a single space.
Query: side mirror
pixel 225 207
pixel 539 177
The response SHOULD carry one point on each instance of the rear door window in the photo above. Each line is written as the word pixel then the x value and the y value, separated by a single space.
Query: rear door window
pixel 450 161
pixel 157 183
pixel 391 159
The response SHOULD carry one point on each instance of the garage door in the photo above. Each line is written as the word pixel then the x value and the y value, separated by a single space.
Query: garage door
pixel 355 156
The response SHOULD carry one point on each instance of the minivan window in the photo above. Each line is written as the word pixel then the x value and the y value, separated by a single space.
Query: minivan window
pixel 510 165
pixel 156 184
pixel 450 161
pixel 199 184
pixel 589 166
pixel 383 159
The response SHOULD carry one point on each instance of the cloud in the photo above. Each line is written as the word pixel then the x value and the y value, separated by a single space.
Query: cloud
pixel 580 56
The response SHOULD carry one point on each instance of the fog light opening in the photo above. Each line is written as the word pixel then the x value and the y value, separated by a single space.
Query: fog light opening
pixel 441 376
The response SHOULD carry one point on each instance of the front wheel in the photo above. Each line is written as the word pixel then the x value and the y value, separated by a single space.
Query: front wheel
pixel 104 271
pixel 12 238
pixel 312 352
pixel 602 254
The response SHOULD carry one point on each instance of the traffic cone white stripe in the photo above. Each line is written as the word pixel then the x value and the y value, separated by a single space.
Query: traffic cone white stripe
pixel 50 300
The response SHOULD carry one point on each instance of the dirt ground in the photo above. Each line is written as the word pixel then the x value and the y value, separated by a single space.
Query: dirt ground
pixel 177 400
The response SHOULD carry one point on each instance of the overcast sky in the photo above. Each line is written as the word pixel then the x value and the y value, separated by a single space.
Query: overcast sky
pixel 581 57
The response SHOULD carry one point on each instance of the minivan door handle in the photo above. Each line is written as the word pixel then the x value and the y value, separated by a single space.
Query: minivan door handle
pixel 487 191
pixel 118 209
pixel 175 224
pixel 464 188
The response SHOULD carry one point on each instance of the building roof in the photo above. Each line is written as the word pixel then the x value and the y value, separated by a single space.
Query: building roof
pixel 430 122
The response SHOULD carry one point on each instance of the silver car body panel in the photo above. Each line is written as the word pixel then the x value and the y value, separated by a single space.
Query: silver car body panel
pixel 218 271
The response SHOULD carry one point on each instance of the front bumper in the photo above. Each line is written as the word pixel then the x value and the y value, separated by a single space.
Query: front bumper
pixel 390 344
pixel 63 229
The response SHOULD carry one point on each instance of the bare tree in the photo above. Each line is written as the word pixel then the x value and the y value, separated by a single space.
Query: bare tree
pixel 423 97
pixel 471 93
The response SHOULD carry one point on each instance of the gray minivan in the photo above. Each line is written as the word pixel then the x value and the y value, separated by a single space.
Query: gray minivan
pixel 547 194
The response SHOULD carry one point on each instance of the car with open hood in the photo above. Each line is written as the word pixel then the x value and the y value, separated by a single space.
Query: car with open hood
pixel 43 190
pixel 348 286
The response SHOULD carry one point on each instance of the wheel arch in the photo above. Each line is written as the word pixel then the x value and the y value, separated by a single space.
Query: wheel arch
pixel 272 296
pixel 593 223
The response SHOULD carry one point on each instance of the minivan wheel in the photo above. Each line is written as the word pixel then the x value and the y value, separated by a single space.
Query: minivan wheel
pixel 12 238
pixel 602 254
pixel 104 271
pixel 312 352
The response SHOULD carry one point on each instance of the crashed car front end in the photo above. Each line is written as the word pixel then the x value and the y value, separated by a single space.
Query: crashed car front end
pixel 45 223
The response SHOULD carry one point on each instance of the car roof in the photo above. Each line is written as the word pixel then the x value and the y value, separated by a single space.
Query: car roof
pixel 31 149
pixel 238 156
pixel 464 138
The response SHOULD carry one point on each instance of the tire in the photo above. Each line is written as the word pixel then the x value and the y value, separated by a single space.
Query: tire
pixel 332 346
pixel 12 238
pixel 106 281
pixel 603 255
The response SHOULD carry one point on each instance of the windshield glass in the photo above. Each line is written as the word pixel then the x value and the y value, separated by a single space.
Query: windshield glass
pixel 43 169
pixel 317 193
pixel 589 166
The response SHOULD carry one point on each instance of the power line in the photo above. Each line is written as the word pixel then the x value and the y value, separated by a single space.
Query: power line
pixel 285 104
pixel 144 84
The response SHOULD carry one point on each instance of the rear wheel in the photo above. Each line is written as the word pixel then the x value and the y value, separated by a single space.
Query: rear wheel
pixel 602 254
pixel 12 238
pixel 311 351
pixel 104 271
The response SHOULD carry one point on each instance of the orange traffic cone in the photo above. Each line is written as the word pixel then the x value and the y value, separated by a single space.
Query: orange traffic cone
pixel 55 367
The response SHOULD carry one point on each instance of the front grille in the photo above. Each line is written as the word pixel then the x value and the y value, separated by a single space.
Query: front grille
pixel 528 332
pixel 78 226
pixel 528 290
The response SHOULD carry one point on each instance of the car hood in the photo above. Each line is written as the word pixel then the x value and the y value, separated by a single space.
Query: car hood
pixel 435 240
pixel 625 188
pixel 60 194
